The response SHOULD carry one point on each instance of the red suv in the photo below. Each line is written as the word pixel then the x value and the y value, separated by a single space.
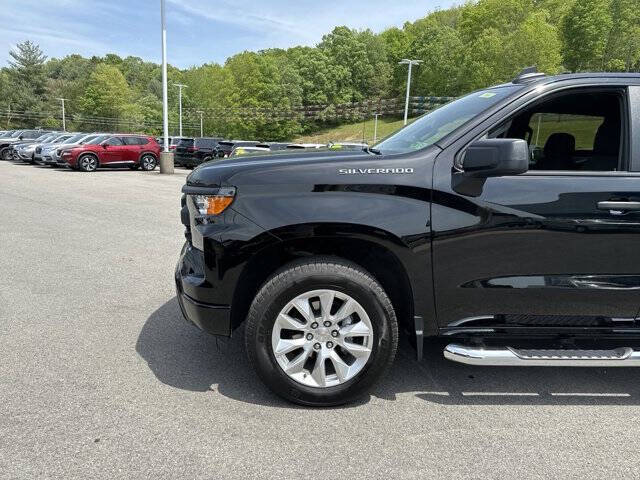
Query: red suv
pixel 114 151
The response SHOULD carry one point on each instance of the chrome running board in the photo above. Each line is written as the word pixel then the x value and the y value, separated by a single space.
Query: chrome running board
pixel 507 356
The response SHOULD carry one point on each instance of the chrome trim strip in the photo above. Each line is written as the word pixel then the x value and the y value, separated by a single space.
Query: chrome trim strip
pixel 462 321
pixel 507 356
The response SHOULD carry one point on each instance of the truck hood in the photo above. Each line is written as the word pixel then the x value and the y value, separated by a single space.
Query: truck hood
pixel 309 167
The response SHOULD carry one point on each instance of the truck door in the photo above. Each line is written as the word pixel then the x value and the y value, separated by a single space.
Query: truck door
pixel 558 245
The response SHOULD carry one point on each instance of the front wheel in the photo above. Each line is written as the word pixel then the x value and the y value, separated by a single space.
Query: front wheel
pixel 88 163
pixel 321 332
pixel 5 154
pixel 148 162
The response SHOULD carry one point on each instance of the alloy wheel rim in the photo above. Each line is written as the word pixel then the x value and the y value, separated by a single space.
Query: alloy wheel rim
pixel 88 163
pixel 322 338
pixel 147 162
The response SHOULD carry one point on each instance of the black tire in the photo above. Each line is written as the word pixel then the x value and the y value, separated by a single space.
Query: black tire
pixel 5 154
pixel 88 163
pixel 148 162
pixel 308 275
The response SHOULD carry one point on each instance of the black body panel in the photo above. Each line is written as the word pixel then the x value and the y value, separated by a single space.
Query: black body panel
pixel 525 255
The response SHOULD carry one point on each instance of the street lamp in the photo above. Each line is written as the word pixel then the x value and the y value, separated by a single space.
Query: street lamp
pixel 64 121
pixel 201 113
pixel 180 87
pixel 411 63
pixel 165 96
pixel 375 127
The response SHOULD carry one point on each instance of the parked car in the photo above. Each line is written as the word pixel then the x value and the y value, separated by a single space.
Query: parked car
pixel 173 142
pixel 6 152
pixel 225 147
pixel 49 155
pixel 114 151
pixel 191 152
pixel 60 139
pixel 346 145
pixel 448 228
pixel 239 151
pixel 25 151
pixel 273 146
pixel 305 146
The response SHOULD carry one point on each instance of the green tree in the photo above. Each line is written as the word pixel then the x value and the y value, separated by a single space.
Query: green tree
pixel 107 93
pixel 27 66
pixel 622 51
pixel 441 50
pixel 27 80
pixel 585 31
pixel 363 55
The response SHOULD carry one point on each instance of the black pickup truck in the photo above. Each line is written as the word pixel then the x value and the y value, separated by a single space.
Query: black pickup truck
pixel 506 222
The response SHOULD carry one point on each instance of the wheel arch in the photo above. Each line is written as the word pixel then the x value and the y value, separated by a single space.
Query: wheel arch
pixel 382 254
pixel 147 152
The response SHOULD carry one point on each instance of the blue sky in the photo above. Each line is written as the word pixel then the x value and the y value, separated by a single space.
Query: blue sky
pixel 199 31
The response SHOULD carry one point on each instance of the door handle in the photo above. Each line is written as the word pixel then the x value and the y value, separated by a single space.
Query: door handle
pixel 619 205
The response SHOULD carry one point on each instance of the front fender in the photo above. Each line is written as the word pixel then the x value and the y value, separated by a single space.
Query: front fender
pixel 394 217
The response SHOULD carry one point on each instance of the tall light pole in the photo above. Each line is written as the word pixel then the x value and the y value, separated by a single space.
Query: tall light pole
pixel 180 87
pixel 165 94
pixel 166 157
pixel 411 63
pixel 375 126
pixel 201 130
pixel 64 120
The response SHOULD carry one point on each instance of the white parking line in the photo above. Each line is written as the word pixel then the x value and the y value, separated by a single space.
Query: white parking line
pixel 590 394
pixel 500 394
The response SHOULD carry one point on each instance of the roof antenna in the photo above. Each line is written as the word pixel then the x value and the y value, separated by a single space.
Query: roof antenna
pixel 528 74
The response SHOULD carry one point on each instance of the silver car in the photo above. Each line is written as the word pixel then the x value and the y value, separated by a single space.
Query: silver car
pixel 48 152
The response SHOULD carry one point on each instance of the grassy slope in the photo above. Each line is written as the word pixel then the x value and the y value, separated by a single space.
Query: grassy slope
pixel 583 129
pixel 353 132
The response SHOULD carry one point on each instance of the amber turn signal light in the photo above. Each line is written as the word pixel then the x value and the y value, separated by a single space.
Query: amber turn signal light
pixel 214 204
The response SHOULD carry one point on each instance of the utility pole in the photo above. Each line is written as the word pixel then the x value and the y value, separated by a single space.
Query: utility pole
pixel 375 127
pixel 166 157
pixel 64 120
pixel 180 87
pixel 411 63
pixel 201 130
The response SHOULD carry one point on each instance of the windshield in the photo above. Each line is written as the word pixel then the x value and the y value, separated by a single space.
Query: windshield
pixel 45 138
pixel 75 138
pixel 61 139
pixel 16 134
pixel 87 139
pixel 438 123
pixel 99 139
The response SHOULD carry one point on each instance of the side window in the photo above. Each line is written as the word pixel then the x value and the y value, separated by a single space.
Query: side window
pixel 575 131
pixel 115 141
pixel 129 140
pixel 583 128
pixel 142 140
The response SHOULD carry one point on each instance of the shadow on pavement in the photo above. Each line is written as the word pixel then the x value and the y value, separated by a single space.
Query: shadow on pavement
pixel 182 356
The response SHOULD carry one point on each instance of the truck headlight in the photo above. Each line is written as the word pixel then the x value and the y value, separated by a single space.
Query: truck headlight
pixel 208 205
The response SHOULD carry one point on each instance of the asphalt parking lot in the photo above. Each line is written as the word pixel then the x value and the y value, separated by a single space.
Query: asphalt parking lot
pixel 101 377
